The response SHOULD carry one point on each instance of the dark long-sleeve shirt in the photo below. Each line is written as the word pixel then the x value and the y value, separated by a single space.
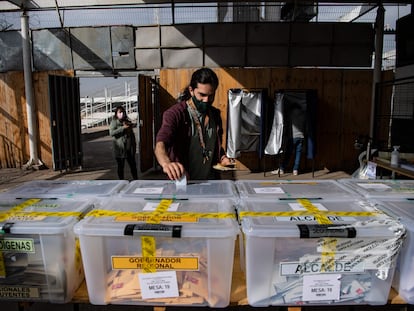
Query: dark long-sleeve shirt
pixel 176 133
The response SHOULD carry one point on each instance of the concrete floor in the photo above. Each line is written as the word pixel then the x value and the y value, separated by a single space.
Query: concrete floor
pixel 98 163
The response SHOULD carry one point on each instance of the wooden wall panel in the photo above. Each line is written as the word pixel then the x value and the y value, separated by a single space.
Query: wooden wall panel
pixel 13 126
pixel 329 120
pixel 357 94
pixel 43 117
pixel 344 100
pixel 14 140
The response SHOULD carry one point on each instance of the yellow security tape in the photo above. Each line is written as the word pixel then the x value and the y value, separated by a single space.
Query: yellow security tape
pixel 148 243
pixel 18 208
pixel 161 208
pixel 329 244
pixel 305 213
pixel 327 257
pixel 17 212
pixel 320 218
pixel 24 205
pixel 107 213
pixel 271 183
pixel 78 257
pixel 149 247
pixel 44 214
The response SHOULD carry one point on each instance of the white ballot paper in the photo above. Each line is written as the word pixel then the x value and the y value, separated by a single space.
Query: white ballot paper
pixel 181 184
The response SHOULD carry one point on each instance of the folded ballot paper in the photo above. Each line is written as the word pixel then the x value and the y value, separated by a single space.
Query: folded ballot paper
pixel 124 285
pixel 181 184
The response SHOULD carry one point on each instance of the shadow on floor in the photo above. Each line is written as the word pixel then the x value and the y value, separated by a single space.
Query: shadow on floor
pixel 99 164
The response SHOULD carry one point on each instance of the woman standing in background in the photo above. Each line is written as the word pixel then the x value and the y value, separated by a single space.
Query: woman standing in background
pixel 124 142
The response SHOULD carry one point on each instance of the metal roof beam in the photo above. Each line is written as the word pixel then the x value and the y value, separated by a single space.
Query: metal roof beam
pixel 85 4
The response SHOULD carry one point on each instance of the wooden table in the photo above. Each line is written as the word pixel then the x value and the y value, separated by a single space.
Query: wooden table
pixel 386 164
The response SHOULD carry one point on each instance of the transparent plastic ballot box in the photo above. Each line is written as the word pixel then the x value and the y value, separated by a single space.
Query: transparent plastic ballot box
pixel 403 210
pixel 318 252
pixel 67 189
pixel 40 257
pixel 159 252
pixel 381 188
pixel 291 189
pixel 161 189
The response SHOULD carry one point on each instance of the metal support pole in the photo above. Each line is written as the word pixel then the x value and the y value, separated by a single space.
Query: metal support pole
pixel 126 97
pixel 379 40
pixel 106 106
pixel 92 113
pixel 30 104
pixel 110 102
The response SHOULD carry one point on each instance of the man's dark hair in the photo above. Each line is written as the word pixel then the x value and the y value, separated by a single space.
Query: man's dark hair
pixel 203 76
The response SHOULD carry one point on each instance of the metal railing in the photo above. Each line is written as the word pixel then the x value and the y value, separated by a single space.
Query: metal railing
pixel 101 114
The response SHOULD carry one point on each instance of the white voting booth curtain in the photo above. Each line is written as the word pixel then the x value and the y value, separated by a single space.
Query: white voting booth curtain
pixel 284 120
pixel 249 118
pixel 244 126
pixel 274 143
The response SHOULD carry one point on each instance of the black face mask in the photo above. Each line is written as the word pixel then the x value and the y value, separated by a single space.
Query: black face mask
pixel 200 105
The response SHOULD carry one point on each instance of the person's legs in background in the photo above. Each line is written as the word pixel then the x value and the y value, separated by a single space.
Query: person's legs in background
pixel 285 158
pixel 286 155
pixel 133 166
pixel 121 164
pixel 298 144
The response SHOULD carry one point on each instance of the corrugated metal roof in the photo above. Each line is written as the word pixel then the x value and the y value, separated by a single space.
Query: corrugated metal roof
pixel 51 4
pixel 140 14
pixel 85 13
